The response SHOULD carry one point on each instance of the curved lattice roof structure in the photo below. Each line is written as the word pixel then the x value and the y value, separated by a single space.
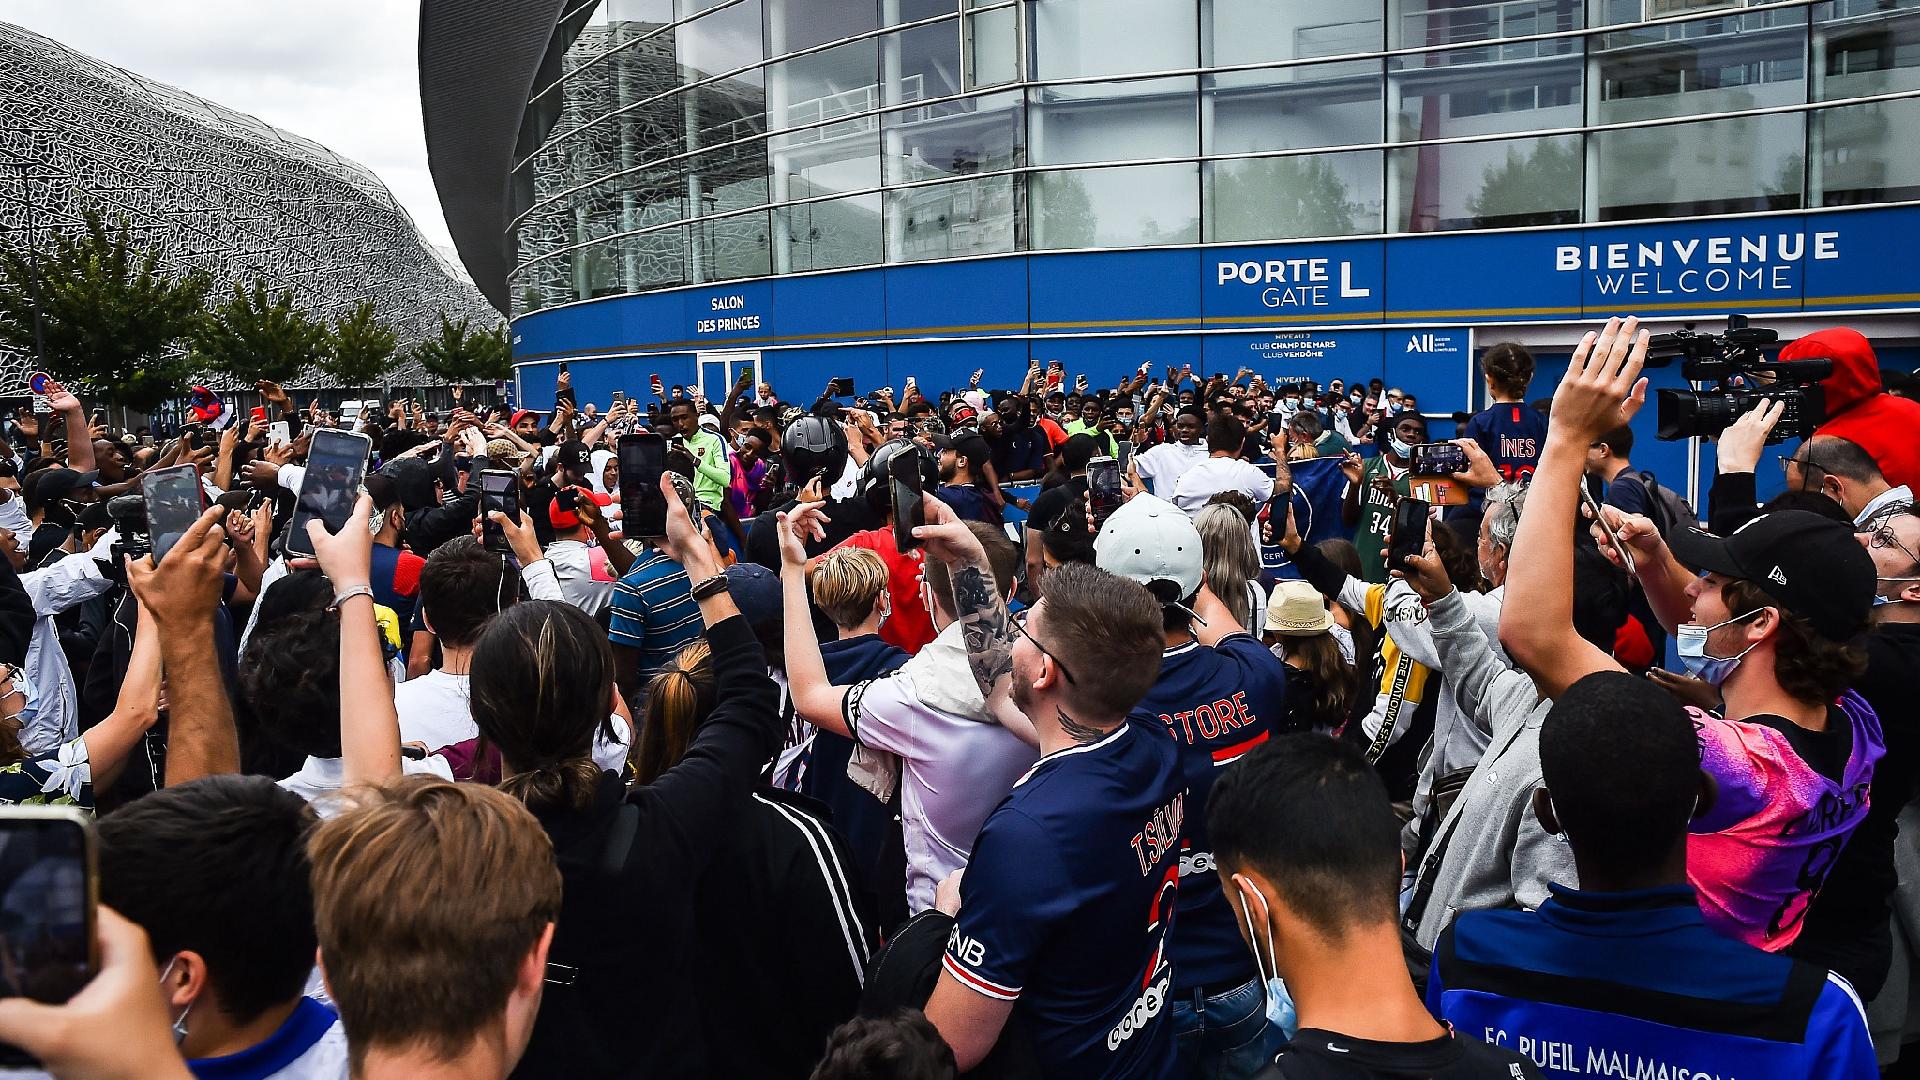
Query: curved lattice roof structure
pixel 213 188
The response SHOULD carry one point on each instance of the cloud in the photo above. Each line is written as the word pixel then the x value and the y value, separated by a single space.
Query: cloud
pixel 343 73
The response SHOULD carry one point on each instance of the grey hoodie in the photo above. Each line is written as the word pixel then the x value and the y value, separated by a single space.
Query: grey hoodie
pixel 1490 850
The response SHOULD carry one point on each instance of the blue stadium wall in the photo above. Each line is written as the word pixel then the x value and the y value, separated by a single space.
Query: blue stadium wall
pixel 1410 310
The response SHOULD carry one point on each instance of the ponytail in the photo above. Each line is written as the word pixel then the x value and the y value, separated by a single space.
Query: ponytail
pixel 678 699
pixel 570 784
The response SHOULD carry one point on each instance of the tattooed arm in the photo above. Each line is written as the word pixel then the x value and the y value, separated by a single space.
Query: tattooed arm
pixel 982 613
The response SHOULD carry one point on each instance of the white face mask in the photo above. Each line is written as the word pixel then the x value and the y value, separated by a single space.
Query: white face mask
pixel 180 1023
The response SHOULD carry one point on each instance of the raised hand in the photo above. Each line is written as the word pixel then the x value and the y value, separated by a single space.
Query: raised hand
pixel 1603 388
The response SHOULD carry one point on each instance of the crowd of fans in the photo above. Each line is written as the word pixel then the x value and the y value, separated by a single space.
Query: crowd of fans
pixel 1025 786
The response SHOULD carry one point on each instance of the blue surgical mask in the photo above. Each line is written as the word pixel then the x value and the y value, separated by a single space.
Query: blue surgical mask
pixel 1398 447
pixel 1691 639
pixel 1279 1009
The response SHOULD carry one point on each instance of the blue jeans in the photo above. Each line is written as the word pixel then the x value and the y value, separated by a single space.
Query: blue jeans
pixel 1226 1036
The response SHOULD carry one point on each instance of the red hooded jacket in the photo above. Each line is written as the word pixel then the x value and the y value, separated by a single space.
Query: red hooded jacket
pixel 1858 408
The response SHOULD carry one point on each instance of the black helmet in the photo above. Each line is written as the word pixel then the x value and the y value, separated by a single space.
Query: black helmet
pixel 875 479
pixel 813 446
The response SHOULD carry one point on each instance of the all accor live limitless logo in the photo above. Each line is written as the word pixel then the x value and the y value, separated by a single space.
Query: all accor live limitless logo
pixel 1696 266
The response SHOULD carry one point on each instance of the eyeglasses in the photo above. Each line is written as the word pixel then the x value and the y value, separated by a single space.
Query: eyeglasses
pixel 1883 536
pixel 1020 624
pixel 1804 464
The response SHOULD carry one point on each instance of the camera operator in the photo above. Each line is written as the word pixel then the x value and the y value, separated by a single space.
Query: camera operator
pixel 1770 623
pixel 1858 407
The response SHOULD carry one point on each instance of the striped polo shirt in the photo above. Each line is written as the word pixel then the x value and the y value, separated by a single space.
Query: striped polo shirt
pixel 653 610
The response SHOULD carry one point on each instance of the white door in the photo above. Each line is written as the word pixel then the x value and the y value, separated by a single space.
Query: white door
pixel 718 370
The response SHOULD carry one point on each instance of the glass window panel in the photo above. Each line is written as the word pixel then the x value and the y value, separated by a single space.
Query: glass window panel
pixel 793 25
pixel 728 178
pixel 640 15
pixel 994 56
pixel 1286 197
pixel 1865 49
pixel 974 135
pixel 928 59
pixel 720 112
pixel 825 160
pixel 1292 108
pixel 1727 166
pixel 1258 31
pixel 1726 64
pixel 1486 90
pixel 732 247
pixel 1136 206
pixel 1444 22
pixel 823 235
pixel 723 41
pixel 1487 185
pixel 651 260
pixel 1075 38
pixel 1146 118
pixel 824 87
pixel 1863 153
pixel 906 11
pixel 947 221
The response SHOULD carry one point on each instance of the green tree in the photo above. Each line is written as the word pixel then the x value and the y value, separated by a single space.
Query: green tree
pixel 359 347
pixel 254 335
pixel 1281 198
pixel 109 318
pixel 459 354
pixel 1542 188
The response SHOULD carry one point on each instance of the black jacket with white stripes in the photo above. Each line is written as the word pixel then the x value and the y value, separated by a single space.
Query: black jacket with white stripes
pixel 784 940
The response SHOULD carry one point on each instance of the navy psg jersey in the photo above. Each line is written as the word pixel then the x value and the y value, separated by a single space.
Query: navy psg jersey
pixel 1217 703
pixel 1512 435
pixel 1067 903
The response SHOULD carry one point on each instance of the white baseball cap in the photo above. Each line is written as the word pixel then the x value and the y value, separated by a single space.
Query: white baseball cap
pixel 1149 539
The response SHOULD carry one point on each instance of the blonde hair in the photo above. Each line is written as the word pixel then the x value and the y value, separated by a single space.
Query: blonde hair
pixel 679 698
pixel 846 582
pixel 1228 558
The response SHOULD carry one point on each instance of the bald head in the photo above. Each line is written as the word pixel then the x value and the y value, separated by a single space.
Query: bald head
pixel 1839 468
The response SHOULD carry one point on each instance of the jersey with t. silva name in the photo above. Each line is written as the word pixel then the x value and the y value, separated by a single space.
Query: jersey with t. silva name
pixel 1067 902
pixel 1217 703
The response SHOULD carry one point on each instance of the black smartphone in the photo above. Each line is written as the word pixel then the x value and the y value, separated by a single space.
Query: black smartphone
pixel 499 490
pixel 643 510
pixel 1437 459
pixel 841 387
pixel 619 396
pixel 1409 532
pixel 336 465
pixel 174 502
pixel 908 490
pixel 1103 488
pixel 49 878
pixel 1123 452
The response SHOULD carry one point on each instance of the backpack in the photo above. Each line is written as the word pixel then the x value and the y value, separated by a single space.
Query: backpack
pixel 1665 505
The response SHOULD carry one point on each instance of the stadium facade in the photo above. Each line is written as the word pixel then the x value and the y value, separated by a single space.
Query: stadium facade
pixel 1323 188
pixel 213 189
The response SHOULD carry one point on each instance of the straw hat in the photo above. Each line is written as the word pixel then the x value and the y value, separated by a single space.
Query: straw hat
pixel 1296 607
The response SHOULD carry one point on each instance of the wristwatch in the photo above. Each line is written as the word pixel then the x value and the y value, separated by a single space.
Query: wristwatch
pixel 710 587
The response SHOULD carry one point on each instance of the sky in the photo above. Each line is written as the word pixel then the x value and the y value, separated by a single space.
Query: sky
pixel 341 72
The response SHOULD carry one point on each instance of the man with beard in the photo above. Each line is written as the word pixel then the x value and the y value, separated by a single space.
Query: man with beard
pixel 1019 450
pixel 964 485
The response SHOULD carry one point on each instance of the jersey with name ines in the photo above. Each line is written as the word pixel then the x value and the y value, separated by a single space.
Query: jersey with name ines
pixel 1218 703
pixel 1067 902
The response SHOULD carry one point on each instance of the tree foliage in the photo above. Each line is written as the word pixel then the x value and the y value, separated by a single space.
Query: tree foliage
pixel 256 335
pixel 459 354
pixel 360 347
pixel 110 320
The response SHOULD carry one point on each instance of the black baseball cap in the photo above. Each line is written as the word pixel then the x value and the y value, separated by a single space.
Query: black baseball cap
pixel 970 445
pixel 1812 565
